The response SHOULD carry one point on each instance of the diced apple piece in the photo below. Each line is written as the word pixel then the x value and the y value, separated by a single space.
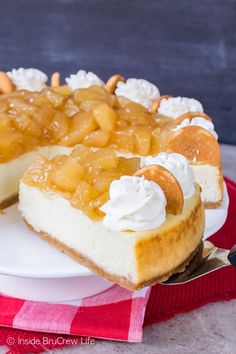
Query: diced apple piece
pixel 155 141
pixel 63 90
pixel 105 117
pixel 20 93
pixel 134 113
pixel 82 123
pixel 58 160
pixel 163 139
pixel 142 140
pixel 92 213
pixel 92 93
pixel 92 207
pixel 80 153
pixel 24 123
pixel 36 99
pixel 103 180
pixel 44 115
pixel 59 125
pixel 15 94
pixel 89 105
pixel 82 95
pixel 68 175
pixel 10 144
pixel 5 121
pixel 54 98
pixel 20 105
pixel 104 158
pixel 99 90
pixel 128 166
pixel 71 108
pixel 92 173
pixel 99 201
pixel 3 106
pixel 38 172
pixel 123 140
pixel 30 142
pixel 98 138
pixel 83 194
pixel 121 123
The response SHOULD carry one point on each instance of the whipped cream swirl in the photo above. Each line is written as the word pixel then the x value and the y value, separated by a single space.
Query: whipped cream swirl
pixel 179 166
pixel 199 122
pixel 28 79
pixel 138 90
pixel 174 107
pixel 83 79
pixel 135 204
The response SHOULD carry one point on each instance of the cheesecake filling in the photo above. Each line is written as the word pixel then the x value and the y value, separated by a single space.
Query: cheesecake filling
pixel 12 171
pixel 10 174
pixel 78 231
pixel 210 180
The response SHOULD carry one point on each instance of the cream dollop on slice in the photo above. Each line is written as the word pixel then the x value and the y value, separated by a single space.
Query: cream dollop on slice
pixel 179 166
pixel 83 79
pixel 28 79
pixel 174 107
pixel 138 90
pixel 199 122
pixel 135 204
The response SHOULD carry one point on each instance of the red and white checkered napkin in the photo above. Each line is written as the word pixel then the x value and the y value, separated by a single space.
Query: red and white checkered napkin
pixel 115 314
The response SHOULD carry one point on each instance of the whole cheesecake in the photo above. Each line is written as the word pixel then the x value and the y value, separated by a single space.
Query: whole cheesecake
pixel 128 116
pixel 132 226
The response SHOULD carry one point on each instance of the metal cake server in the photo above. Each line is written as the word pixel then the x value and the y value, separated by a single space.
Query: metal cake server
pixel 208 260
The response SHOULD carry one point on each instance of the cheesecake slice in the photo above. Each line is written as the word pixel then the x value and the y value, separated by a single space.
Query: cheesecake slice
pixel 210 179
pixel 11 171
pixel 112 217
pixel 202 150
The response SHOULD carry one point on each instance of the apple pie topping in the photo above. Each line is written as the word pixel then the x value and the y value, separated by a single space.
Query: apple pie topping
pixel 92 117
pixel 83 177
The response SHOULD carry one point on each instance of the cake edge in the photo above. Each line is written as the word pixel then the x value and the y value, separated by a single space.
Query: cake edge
pixel 13 199
pixel 121 281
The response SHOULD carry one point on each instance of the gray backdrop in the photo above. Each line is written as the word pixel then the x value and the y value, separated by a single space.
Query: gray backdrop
pixel 186 47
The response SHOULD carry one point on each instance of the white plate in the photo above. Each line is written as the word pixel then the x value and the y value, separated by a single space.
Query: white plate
pixel 30 268
pixel 215 218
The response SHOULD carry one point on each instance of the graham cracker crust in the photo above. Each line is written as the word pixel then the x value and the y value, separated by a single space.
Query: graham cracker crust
pixel 211 205
pixel 122 281
pixel 9 201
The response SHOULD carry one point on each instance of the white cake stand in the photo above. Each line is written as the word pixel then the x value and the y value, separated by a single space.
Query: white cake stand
pixel 32 269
